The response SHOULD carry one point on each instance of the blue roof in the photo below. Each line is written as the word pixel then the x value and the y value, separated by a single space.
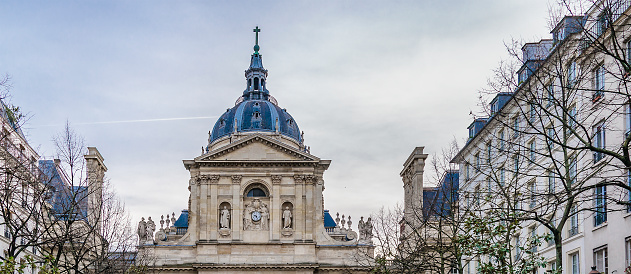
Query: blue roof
pixel 328 220
pixel 255 115
pixel 67 201
pixel 437 201
pixel 182 221
pixel 255 110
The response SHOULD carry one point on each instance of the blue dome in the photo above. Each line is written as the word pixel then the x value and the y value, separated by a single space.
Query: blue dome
pixel 256 110
pixel 255 116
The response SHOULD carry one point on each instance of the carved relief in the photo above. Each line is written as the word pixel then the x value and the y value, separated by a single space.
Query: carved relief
pixel 276 179
pixel 214 179
pixel 309 179
pixel 236 179
pixel 299 179
pixel 256 216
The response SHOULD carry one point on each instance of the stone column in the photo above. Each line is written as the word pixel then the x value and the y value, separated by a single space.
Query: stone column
pixel 203 207
pixel 299 212
pixel 276 211
pixel 309 206
pixel 213 219
pixel 237 208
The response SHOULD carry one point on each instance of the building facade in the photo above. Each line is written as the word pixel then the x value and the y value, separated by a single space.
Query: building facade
pixel 551 151
pixel 256 200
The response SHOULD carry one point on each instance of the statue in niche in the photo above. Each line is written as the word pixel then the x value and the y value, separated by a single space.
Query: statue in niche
pixel 224 221
pixel 151 227
pixel 256 216
pixel 287 218
pixel 142 230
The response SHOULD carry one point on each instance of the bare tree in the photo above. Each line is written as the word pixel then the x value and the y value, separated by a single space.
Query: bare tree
pixel 90 230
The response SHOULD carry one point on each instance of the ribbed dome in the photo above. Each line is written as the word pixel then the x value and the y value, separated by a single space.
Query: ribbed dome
pixel 256 110
pixel 255 115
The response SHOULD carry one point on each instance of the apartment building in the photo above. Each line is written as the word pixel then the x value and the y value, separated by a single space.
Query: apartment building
pixel 552 151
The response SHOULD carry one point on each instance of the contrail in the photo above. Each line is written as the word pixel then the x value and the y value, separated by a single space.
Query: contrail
pixel 130 121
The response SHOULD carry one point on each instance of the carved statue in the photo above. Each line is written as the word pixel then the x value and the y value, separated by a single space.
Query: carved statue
pixel 142 230
pixel 360 227
pixel 151 227
pixel 368 229
pixel 287 218
pixel 224 221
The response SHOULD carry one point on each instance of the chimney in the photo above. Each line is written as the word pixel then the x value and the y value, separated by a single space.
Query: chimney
pixel 96 171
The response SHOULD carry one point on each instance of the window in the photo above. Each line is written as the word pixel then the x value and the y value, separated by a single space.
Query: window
pixel 573 230
pixel 602 24
pixel 533 236
pixel 571 74
pixel 575 264
pixel 599 141
pixel 550 137
pixel 489 185
pixel 627 119
pixel 476 196
pixel 601 205
pixel 517 248
pixel 466 172
pixel 7 233
pixel 532 151
pixel 502 176
pixel 516 165
pixel 551 182
pixel 501 140
pixel 573 170
pixel 599 83
pixel 571 119
pixel 256 192
pixel 627 251
pixel 532 112
pixel 601 260
pixel 516 127
pixel 549 95
pixel 488 152
pixel 629 191
pixel 532 187
pixel 552 265
pixel 628 51
pixel 477 161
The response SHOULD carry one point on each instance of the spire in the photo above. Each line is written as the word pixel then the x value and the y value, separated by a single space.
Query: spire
pixel 256 74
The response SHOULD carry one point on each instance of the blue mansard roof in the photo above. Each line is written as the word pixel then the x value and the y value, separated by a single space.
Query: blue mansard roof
pixel 67 201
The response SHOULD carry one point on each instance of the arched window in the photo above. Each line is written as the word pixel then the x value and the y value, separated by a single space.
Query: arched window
pixel 256 84
pixel 256 192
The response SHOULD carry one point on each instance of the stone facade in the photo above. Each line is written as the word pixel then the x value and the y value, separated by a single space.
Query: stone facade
pixel 256 200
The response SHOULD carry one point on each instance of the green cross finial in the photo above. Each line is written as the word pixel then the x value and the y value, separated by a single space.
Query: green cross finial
pixel 256 46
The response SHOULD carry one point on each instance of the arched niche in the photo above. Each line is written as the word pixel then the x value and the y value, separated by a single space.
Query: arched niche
pixel 225 216
pixel 287 216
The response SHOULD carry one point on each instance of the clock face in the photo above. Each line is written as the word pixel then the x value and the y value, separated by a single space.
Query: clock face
pixel 256 216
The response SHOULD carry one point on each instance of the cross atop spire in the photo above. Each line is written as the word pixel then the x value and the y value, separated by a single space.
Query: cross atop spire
pixel 256 46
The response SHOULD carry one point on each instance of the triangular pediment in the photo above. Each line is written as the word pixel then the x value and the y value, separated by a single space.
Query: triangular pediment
pixel 257 147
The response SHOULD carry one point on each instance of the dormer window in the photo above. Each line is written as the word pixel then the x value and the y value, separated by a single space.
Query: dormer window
pixel 256 115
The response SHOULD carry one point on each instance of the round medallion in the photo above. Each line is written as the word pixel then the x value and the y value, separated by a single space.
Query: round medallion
pixel 256 216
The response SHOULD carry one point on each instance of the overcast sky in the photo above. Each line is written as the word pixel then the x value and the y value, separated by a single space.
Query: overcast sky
pixel 367 81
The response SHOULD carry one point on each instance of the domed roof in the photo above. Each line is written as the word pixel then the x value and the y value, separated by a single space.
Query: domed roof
pixel 255 110
pixel 255 115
